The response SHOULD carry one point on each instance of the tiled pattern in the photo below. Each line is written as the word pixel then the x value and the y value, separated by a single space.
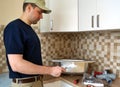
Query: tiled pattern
pixel 103 47
pixel 3 67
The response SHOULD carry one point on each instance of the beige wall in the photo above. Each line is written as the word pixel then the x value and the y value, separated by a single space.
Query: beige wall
pixel 9 10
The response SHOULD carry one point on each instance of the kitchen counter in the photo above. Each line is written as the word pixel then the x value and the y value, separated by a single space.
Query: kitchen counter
pixel 68 79
pixel 116 83
pixel 71 80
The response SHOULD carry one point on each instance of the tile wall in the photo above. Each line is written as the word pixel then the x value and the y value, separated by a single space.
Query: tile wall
pixel 103 47
pixel 3 66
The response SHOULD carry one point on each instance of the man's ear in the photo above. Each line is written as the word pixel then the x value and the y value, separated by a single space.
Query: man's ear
pixel 28 8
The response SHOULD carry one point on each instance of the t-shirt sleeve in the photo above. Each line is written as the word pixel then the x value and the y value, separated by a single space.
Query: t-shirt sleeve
pixel 13 40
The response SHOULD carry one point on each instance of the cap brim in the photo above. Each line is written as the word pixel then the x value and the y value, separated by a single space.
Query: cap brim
pixel 45 10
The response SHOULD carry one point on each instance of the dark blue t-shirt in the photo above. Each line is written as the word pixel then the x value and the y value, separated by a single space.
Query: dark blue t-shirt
pixel 20 38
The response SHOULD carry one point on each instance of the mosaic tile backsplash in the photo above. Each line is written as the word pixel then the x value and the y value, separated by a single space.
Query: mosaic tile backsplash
pixel 103 47
pixel 3 66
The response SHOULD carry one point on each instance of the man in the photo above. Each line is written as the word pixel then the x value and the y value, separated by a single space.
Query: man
pixel 23 50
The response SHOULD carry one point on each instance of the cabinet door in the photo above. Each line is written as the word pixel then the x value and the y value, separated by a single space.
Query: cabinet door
pixel 87 15
pixel 64 15
pixel 108 14
pixel 45 21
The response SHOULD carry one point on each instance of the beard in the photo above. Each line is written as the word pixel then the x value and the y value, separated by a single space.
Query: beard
pixel 34 20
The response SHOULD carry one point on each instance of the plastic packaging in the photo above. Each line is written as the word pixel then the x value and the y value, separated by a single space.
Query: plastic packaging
pixel 90 80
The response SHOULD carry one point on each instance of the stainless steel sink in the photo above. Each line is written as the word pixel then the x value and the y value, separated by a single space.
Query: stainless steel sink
pixel 72 65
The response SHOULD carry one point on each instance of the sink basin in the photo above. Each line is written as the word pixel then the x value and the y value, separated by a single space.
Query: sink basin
pixel 72 60
pixel 66 60
pixel 72 65
pixel 59 83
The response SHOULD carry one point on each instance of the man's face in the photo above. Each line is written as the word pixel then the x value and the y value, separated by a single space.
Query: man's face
pixel 35 15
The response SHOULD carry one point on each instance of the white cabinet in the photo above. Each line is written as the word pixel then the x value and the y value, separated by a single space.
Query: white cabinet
pixel 109 14
pixel 99 15
pixel 63 18
pixel 87 13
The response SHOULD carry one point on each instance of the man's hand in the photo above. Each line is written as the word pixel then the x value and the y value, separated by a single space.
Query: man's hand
pixel 56 71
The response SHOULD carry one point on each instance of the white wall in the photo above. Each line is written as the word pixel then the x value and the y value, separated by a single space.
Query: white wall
pixel 9 10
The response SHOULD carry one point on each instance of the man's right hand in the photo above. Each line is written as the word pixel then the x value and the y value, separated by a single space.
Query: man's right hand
pixel 56 71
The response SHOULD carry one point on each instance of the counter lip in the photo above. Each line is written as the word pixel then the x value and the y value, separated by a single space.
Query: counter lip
pixel 62 79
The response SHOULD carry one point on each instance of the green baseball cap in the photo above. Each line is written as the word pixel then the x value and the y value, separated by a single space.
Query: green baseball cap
pixel 40 4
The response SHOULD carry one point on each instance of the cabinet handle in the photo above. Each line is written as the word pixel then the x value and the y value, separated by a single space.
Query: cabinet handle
pixel 98 20
pixel 92 21
pixel 51 25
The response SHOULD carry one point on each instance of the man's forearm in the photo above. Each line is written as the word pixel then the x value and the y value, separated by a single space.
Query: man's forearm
pixel 27 67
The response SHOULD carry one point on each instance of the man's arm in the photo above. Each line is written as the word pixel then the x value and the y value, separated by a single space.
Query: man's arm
pixel 18 64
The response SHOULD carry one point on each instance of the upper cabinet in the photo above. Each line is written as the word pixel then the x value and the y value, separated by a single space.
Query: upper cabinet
pixel 81 15
pixel 63 18
pixel 108 14
pixel 99 15
pixel 87 13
